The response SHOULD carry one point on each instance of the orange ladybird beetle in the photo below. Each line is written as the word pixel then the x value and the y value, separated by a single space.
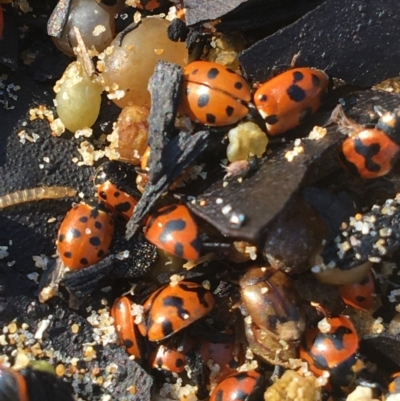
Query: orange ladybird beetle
pixel 360 295
pixel 332 347
pixel 115 199
pixel 240 386
pixel 174 307
pixel 30 384
pixel 213 94
pixel 286 100
pixel 369 152
pixel 167 358
pixel 125 327
pixel 173 229
pixel 84 236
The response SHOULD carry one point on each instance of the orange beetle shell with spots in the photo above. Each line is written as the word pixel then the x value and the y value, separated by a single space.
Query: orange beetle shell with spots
pixel 119 202
pixel 360 295
pixel 174 307
pixel 213 94
pixel 288 99
pixel 84 236
pixel 371 153
pixel 239 386
pixel 173 229
pixel 125 327
pixel 334 350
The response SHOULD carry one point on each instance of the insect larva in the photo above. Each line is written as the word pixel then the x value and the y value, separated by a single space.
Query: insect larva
pixel 35 194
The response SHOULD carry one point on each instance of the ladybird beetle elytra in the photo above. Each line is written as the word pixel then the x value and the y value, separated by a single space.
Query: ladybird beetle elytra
pixel 119 202
pixel 173 229
pixel 371 153
pixel 239 386
pixel 167 359
pixel 121 312
pixel 213 94
pixel 360 295
pixel 84 236
pixel 368 152
pixel 288 99
pixel 174 307
pixel 12 385
pixel 333 349
pixel 273 303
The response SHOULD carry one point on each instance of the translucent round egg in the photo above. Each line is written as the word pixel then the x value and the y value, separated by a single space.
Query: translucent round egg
pixel 78 98
pixel 95 22
pixel 127 68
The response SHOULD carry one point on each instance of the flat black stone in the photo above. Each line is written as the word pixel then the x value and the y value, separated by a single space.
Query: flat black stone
pixel 353 40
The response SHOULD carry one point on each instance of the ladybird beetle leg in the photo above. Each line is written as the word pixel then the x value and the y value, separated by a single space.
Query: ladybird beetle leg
pixel 128 29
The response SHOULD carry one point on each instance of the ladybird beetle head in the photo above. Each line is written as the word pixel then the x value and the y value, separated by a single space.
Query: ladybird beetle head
pixel 389 123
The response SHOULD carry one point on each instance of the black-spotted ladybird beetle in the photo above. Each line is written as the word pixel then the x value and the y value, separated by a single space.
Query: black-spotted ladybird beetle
pixel 359 295
pixel 174 307
pixel 332 348
pixel 369 152
pixel 240 386
pixel 213 94
pixel 173 229
pixel 286 100
pixel 114 198
pixel 84 236
pixel 125 327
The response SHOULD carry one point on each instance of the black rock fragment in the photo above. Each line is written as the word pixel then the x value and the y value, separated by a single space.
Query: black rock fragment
pixel 204 11
pixel 351 39
pixel 171 152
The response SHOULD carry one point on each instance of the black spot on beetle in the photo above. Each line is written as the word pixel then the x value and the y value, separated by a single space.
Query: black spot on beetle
pixel 212 73
pixel 123 207
pixel 84 261
pixel 272 119
pixel 98 225
pixel 178 249
pixel 194 72
pixel 117 194
pixel 83 219
pixel 360 299
pixel 368 152
pixel 94 241
pixel 94 213
pixel 203 100
pixel 263 98
pixel 210 118
pixel 229 110
pixel 103 195
pixel 61 237
pixel 297 76
pixel 238 85
pixel 68 255
pixel 296 93
pixel 74 232
pixel 100 253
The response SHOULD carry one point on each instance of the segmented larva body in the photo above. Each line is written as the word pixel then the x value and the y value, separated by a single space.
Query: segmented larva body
pixel 35 194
